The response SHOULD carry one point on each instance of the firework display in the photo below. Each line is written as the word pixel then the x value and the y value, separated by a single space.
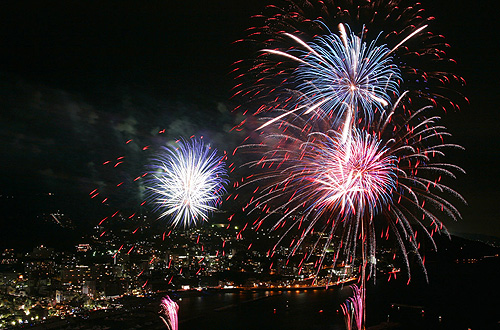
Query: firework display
pixel 350 142
pixel 186 182
pixel 286 164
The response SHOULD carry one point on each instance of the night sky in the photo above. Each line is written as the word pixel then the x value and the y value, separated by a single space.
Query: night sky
pixel 80 78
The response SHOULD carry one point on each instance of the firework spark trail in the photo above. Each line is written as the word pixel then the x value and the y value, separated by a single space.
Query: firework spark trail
pixel 187 182
pixel 353 309
pixel 168 313
pixel 122 199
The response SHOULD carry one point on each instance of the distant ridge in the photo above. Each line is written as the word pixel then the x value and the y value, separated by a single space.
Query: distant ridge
pixel 487 239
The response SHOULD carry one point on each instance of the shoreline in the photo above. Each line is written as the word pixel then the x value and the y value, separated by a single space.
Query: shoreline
pixel 260 289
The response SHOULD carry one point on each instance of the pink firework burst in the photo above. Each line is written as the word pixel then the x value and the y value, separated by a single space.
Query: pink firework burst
pixel 314 180
pixel 358 173
pixel 168 313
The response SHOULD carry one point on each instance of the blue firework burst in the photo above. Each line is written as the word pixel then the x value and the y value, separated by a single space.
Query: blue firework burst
pixel 341 77
pixel 345 73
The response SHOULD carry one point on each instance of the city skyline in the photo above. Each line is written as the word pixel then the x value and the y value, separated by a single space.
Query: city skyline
pixel 98 281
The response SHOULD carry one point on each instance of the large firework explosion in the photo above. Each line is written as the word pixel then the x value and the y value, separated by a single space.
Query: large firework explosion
pixel 186 182
pixel 338 76
pixel 343 150
pixel 388 173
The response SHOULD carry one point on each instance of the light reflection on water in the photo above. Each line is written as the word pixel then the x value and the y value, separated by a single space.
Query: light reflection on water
pixel 296 309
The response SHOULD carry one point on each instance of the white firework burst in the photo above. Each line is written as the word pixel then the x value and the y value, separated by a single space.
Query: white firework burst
pixel 187 182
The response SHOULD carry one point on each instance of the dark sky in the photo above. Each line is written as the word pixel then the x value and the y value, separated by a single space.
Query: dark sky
pixel 80 78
